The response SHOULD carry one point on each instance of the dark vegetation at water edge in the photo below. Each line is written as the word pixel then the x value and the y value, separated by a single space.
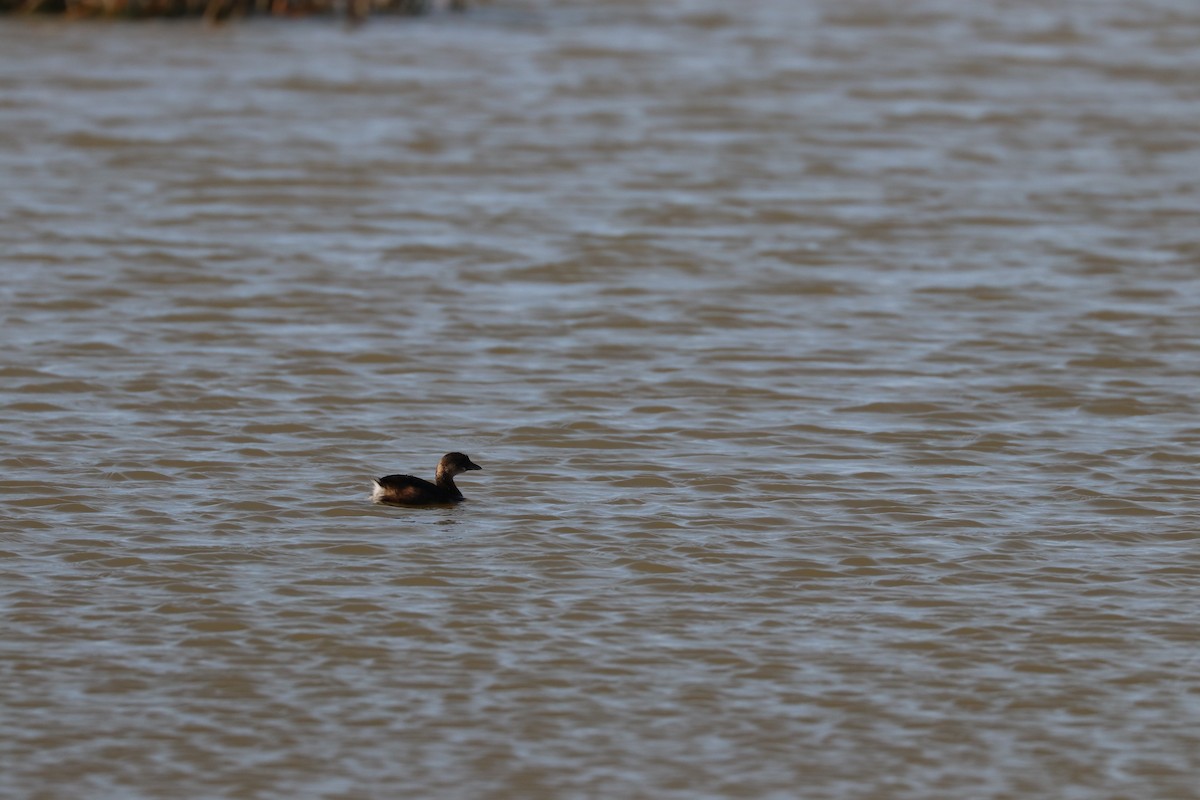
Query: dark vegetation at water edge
pixel 222 9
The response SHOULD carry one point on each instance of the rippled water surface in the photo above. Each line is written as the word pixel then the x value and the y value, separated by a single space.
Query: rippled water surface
pixel 833 368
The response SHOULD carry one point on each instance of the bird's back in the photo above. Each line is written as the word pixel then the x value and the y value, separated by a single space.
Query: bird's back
pixel 409 490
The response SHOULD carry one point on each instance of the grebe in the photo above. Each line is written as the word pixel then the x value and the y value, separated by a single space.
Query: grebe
pixel 405 490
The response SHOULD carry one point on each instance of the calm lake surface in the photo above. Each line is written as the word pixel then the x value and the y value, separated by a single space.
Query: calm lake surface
pixel 833 368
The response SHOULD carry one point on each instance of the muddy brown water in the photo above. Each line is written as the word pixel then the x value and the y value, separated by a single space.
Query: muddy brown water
pixel 832 366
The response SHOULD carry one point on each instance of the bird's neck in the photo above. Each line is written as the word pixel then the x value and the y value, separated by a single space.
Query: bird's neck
pixel 445 482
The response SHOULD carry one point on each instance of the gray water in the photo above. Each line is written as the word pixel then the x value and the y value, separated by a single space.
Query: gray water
pixel 832 367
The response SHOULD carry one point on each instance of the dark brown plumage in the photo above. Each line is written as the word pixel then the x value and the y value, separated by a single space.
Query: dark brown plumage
pixel 407 490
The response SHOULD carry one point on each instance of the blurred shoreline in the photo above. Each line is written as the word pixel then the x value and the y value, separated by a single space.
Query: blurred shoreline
pixel 227 9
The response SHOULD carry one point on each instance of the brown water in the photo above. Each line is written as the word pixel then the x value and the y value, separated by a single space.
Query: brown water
pixel 833 367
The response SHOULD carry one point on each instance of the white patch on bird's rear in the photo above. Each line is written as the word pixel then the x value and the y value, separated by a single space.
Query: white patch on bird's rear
pixel 377 491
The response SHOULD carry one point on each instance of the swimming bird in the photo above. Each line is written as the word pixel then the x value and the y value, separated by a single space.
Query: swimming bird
pixel 406 490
